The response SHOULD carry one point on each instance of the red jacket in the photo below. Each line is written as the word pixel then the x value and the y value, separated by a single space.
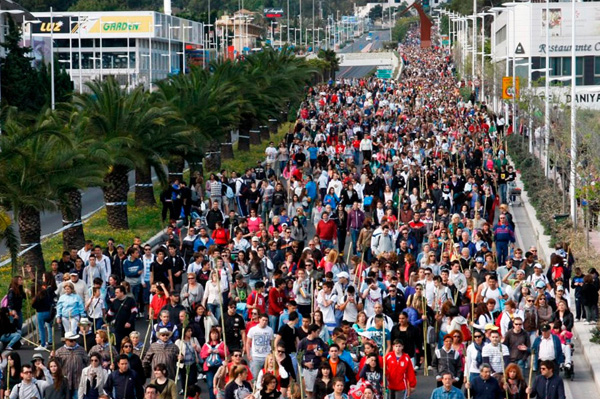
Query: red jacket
pixel 327 230
pixel 276 301
pixel 399 372
pixel 221 236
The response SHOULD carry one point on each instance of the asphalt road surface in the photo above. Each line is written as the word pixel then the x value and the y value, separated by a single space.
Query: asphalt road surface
pixel 355 72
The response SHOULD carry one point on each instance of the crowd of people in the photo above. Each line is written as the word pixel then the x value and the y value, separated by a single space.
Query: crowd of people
pixel 374 243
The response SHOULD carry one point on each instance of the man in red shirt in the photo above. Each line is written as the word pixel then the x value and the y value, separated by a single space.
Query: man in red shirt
pixel 277 299
pixel 256 299
pixel 327 231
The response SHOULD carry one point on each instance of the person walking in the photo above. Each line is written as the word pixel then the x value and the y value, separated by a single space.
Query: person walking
pixel 121 314
pixel 400 373
pixel 124 383
pixel 547 385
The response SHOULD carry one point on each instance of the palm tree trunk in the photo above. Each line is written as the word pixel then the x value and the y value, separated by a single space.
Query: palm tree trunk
pixel 73 237
pixel 176 165
pixel 227 146
pixel 115 197
pixel 30 230
pixel 144 190
pixel 213 157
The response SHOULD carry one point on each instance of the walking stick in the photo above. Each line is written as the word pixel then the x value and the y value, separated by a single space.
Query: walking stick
pixel 530 371
pixel 349 252
pixel 187 376
pixel 33 343
pixel 8 367
pixel 384 367
pixel 424 304
pixel 222 314
pixel 312 300
pixel 110 347
pixel 53 335
pixel 150 326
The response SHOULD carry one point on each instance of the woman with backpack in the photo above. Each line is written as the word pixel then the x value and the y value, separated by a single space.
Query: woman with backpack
pixel 213 354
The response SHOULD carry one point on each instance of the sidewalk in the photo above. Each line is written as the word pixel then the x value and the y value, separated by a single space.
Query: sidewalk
pixel 586 359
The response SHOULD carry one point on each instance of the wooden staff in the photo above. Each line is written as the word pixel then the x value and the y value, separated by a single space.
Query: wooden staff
pixel 150 326
pixel 221 305
pixel 473 293
pixel 110 347
pixel 384 367
pixel 33 343
pixel 348 256
pixel 179 365
pixel 312 300
pixel 35 290
pixel 53 335
pixel 8 367
pixel 187 376
pixel 300 357
pixel 530 371
pixel 424 304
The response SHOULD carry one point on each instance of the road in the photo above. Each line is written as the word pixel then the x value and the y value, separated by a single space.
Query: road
pixel 378 38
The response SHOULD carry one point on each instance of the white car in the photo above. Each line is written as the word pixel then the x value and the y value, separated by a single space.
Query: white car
pixel 369 38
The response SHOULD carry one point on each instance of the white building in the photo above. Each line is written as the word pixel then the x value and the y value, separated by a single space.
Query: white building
pixel 11 10
pixel 520 32
pixel 135 47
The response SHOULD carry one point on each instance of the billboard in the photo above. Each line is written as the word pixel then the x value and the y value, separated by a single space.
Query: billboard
pixel 105 25
pixel 273 12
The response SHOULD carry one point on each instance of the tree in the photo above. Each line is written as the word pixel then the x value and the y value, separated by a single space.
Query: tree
pixel 376 12
pixel 116 121
pixel 37 168
pixel 7 234
pixel 20 85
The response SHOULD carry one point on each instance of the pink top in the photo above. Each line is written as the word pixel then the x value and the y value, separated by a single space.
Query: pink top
pixel 253 224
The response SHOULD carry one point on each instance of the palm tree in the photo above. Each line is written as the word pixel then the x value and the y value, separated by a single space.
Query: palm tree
pixel 116 122
pixel 207 103
pixel 74 124
pixel 330 56
pixel 7 234
pixel 36 167
pixel 269 82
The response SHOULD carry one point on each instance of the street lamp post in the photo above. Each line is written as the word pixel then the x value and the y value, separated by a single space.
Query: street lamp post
pixel 573 176
pixel 547 95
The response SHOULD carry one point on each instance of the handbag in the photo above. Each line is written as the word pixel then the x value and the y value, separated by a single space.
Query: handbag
pixel 368 200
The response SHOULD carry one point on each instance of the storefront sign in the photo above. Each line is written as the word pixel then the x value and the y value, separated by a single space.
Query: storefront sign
pixel 507 87
pixel 58 25
pixel 121 24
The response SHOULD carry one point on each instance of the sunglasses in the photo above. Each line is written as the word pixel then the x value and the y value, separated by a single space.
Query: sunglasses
pixel 478 336
pixel 127 346
pixel 237 355
pixel 518 324
pixel 456 336
pixel 280 351
pixel 530 301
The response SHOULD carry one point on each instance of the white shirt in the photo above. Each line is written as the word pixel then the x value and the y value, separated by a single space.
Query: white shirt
pixel 84 255
pixel 495 354
pixel 261 341
pixel 546 350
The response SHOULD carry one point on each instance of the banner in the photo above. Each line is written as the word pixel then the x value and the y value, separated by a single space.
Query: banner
pixel 507 87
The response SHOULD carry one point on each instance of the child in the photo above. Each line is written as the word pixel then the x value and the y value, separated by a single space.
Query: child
pixel 565 339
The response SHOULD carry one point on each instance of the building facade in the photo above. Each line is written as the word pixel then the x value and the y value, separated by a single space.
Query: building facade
pixel 136 47
pixel 520 35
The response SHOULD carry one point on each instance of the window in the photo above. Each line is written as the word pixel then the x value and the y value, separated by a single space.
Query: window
pixel 596 70
pixel 561 66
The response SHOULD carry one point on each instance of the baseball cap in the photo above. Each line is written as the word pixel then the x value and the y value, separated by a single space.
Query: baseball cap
pixel 537 266
pixel 560 288
pixel 343 275
pixel 479 259
pixel 540 284
pixel 545 327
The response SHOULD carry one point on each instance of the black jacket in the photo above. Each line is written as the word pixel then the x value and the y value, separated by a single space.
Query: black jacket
pixel 124 386
pixel 548 388
pixel 485 389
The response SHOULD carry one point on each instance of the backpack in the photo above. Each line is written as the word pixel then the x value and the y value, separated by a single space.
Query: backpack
pixel 229 192
pixel 4 302
pixel 244 189
pixel 466 332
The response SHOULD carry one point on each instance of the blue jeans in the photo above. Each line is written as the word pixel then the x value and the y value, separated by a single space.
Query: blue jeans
pixel 273 323
pixel 327 243
pixel 135 291
pixel 502 251
pixel 10 339
pixel 215 309
pixel 210 376
pixel 44 320
pixel 503 193
pixel 354 235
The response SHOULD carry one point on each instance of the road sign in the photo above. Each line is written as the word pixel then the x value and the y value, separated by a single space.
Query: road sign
pixel 507 87
pixel 519 49
pixel 384 74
